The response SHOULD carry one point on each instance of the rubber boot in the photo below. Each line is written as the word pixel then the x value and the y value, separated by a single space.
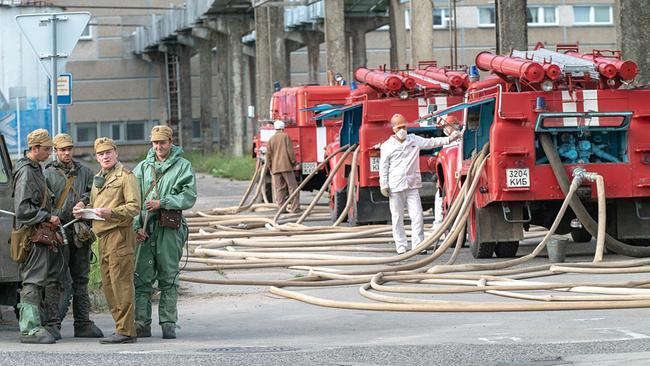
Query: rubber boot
pixel 168 330
pixel 31 330
pixel 87 329
pixel 143 331
pixel 54 331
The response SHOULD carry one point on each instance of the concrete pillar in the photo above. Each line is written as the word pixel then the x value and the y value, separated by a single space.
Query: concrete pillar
pixel 205 66
pixel 337 53
pixel 185 91
pixel 163 106
pixel 221 91
pixel 359 57
pixel 270 55
pixel 512 28
pixel 421 31
pixel 263 81
pixel 632 20
pixel 279 65
pixel 313 57
pixel 236 116
pixel 398 34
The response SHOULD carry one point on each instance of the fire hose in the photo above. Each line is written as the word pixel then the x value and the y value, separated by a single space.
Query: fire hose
pixel 579 209
pixel 265 249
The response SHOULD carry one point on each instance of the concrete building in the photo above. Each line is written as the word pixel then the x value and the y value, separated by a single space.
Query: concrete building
pixel 118 93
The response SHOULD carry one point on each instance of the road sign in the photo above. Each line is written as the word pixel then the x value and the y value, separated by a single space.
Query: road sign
pixel 39 30
pixel 63 89
pixel 52 37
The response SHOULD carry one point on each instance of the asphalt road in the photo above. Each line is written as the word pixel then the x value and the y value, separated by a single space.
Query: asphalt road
pixel 230 325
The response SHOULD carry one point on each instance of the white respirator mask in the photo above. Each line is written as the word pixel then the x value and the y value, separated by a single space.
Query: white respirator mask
pixel 401 133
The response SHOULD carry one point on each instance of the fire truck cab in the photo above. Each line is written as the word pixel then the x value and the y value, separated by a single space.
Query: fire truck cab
pixel 297 107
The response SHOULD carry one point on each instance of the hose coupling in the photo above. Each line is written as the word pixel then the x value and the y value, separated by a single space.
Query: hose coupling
pixel 583 175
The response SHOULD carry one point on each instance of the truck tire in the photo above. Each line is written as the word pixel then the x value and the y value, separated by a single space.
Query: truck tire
pixel 339 200
pixel 506 249
pixel 580 235
pixel 476 247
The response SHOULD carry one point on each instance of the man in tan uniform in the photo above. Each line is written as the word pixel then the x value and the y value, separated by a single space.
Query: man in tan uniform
pixel 115 196
pixel 281 159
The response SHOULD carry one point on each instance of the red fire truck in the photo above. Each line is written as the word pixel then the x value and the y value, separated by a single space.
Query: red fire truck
pixel 366 122
pixel 297 107
pixel 577 101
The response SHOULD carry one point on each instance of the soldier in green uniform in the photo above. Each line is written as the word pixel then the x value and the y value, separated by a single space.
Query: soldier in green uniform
pixel 168 186
pixel 115 198
pixel 70 182
pixel 40 271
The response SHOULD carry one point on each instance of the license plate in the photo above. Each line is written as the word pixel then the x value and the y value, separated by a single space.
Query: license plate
pixel 374 163
pixel 518 177
pixel 308 168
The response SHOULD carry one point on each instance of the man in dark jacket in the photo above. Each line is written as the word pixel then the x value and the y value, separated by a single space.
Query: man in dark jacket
pixel 281 159
pixel 40 271
pixel 70 182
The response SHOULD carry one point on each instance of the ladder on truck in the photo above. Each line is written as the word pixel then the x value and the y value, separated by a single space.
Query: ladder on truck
pixel 173 95
pixel 568 64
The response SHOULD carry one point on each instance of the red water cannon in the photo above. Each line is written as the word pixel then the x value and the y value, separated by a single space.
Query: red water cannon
pixel 452 78
pixel 380 80
pixel 609 67
pixel 510 66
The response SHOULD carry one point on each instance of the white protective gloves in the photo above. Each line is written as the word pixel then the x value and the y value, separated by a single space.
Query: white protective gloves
pixel 385 192
pixel 455 136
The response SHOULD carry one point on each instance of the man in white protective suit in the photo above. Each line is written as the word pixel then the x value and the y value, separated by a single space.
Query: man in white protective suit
pixel 400 179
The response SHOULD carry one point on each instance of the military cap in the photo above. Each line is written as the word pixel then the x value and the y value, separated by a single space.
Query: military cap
pixel 62 140
pixel 161 133
pixel 39 137
pixel 103 144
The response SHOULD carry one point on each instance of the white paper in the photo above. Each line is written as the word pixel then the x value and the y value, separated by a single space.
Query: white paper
pixel 90 214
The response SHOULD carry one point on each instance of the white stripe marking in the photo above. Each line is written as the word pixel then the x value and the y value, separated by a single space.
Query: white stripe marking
pixel 423 107
pixel 569 105
pixel 321 141
pixel 591 105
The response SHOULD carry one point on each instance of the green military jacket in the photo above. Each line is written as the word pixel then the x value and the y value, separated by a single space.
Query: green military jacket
pixel 56 175
pixel 29 187
pixel 176 187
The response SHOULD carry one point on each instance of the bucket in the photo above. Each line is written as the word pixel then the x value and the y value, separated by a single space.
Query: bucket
pixel 556 249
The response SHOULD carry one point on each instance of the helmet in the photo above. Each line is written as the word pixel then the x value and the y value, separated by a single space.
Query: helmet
pixel 278 125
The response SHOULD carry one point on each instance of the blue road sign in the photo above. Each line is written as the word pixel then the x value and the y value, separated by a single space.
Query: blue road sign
pixel 64 90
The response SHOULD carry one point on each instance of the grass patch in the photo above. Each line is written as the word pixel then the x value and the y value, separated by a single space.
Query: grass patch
pixel 95 292
pixel 221 166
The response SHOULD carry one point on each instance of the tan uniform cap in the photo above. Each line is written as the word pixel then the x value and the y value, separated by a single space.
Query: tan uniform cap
pixel 161 133
pixel 104 144
pixel 39 137
pixel 62 140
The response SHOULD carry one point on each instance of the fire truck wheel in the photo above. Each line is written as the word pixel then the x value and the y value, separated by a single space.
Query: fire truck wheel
pixel 476 247
pixel 338 204
pixel 580 235
pixel 506 249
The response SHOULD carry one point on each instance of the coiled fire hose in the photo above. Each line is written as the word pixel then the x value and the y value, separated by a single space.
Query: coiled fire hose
pixel 293 238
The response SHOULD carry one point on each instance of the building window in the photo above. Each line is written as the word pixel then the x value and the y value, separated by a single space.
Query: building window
pixel 87 34
pixel 440 17
pixel 486 16
pixel 592 15
pixel 112 130
pixel 541 15
pixel 86 132
pixel 135 131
